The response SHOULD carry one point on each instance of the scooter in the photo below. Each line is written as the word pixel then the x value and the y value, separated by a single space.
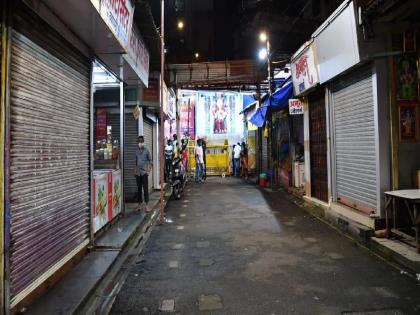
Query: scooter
pixel 177 178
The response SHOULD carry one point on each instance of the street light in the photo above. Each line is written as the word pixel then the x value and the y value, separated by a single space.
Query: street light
pixel 197 55
pixel 180 25
pixel 262 54
pixel 265 54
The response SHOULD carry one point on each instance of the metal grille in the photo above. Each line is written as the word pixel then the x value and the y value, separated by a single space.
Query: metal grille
pixel 355 144
pixel 148 140
pixel 130 146
pixel 318 147
pixel 49 157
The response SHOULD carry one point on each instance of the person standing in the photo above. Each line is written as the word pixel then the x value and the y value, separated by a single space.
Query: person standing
pixel 204 146
pixel 237 159
pixel 199 161
pixel 143 168
pixel 244 158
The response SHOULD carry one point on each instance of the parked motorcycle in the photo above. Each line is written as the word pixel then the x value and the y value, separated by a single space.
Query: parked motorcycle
pixel 177 178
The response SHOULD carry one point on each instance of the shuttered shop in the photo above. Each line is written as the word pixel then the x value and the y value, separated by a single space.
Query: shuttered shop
pixel 49 153
pixel 355 145
pixel 148 140
pixel 130 147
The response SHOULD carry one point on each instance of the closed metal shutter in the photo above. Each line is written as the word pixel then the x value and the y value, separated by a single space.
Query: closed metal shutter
pixel 130 146
pixel 148 140
pixel 49 154
pixel 354 136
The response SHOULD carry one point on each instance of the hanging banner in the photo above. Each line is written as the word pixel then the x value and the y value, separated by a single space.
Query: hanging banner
pixel 304 71
pixel 186 102
pixel 118 16
pixel 295 107
pixel 218 116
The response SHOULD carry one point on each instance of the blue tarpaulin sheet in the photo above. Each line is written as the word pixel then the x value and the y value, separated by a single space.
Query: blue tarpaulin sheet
pixel 247 100
pixel 280 98
pixel 277 101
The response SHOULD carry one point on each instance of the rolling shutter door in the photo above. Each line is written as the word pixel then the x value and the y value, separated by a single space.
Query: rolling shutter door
pixel 130 146
pixel 355 144
pixel 148 140
pixel 49 154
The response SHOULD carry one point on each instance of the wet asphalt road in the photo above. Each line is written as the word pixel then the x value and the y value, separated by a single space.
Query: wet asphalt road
pixel 234 249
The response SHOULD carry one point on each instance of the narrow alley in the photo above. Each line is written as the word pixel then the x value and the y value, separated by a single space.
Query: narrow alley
pixel 231 248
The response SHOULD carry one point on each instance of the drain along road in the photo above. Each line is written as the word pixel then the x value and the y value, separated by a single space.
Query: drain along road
pixel 233 249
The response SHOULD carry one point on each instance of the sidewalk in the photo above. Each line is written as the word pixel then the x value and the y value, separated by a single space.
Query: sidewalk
pixel 70 294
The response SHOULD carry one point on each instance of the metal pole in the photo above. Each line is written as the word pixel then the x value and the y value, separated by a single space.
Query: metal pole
pixel 122 132
pixel 269 66
pixel 270 142
pixel 162 130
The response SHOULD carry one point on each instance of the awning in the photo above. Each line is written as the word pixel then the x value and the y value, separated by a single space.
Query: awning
pixel 249 107
pixel 259 117
pixel 277 101
pixel 280 98
pixel 247 99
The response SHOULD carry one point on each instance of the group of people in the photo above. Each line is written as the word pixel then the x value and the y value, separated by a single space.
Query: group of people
pixel 240 160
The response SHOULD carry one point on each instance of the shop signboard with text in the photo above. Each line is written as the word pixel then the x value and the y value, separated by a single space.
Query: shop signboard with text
pixel 151 93
pixel 304 71
pixel 138 56
pixel 295 107
pixel 118 16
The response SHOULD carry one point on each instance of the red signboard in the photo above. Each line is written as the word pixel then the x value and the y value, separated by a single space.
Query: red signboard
pixel 151 94
pixel 101 123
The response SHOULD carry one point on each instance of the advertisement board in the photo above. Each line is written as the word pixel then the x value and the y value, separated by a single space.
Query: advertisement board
pixel 304 71
pixel 107 197
pixel 100 210
pixel 116 193
pixel 218 116
pixel 186 103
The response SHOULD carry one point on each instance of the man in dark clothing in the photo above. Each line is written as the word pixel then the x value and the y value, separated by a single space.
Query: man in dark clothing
pixel 142 171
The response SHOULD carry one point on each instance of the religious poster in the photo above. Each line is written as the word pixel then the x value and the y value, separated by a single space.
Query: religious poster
pixel 218 116
pixel 407 78
pixel 408 123
pixel 186 103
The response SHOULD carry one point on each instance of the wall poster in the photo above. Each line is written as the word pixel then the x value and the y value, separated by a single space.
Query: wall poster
pixel 408 122
pixel 407 77
pixel 218 116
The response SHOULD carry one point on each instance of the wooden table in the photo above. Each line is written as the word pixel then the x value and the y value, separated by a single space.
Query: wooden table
pixel 411 200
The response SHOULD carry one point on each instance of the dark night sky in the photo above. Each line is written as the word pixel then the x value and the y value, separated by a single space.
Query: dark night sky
pixel 228 29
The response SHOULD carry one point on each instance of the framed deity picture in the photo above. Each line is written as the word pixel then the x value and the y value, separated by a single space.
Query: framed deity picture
pixel 410 41
pixel 407 78
pixel 408 122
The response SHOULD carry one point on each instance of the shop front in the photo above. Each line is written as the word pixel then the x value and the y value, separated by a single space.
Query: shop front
pixel 403 220
pixel 305 76
pixel 48 182
pixel 345 120
pixel 55 200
